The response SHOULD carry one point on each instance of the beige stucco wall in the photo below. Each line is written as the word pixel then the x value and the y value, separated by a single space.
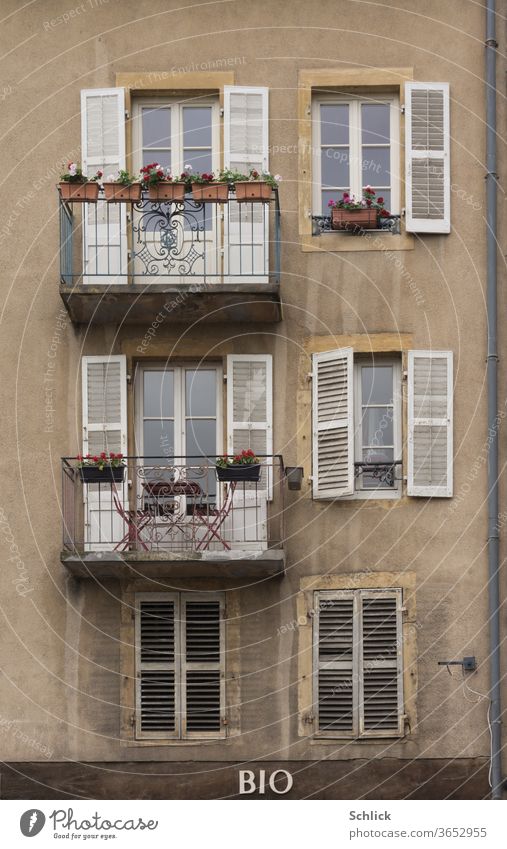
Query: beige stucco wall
pixel 60 642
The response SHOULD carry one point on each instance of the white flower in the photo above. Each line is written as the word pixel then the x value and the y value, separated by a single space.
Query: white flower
pixel 188 169
pixel 277 178
pixel 72 169
pixel 110 178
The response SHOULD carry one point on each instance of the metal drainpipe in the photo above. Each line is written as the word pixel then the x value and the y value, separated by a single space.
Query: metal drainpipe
pixel 492 371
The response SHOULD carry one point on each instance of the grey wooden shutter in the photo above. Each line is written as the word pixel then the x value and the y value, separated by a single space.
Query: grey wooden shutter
pixel 380 664
pixel 157 655
pixel 333 423
pixel 202 679
pixel 250 409
pixel 427 167
pixel 104 382
pixel 430 444
pixel 336 713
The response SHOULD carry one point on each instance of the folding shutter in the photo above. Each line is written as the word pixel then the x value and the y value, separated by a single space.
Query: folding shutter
pixel 104 382
pixel 333 424
pixel 202 674
pixel 430 396
pixel 157 654
pixel 381 664
pixel 336 698
pixel 427 167
pixel 103 148
pixel 250 407
pixel 246 146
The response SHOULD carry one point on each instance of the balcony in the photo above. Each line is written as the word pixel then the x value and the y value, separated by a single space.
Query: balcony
pixel 172 517
pixel 150 262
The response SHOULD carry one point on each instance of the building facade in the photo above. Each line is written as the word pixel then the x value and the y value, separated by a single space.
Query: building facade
pixel 171 634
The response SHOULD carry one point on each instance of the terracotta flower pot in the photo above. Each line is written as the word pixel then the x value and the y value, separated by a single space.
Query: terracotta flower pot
pixel 118 193
pixel 353 219
pixel 256 191
pixel 167 191
pixel 79 192
pixel 210 192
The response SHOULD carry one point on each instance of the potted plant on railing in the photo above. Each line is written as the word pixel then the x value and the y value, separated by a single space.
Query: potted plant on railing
pixel 354 215
pixel 207 188
pixel 122 189
pixel 161 185
pixel 75 186
pixel 244 466
pixel 256 187
pixel 101 468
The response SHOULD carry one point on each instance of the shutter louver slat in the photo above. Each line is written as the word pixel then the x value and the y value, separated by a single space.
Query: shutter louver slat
pixel 157 701
pixel 427 157
pixel 333 451
pixel 430 423
pixel 157 632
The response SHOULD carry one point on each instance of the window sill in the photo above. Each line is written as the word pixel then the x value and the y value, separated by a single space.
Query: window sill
pixel 374 240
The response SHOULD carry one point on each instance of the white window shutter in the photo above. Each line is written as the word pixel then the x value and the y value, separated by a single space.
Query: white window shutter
pixel 381 709
pixel 430 402
pixel 427 165
pixel 333 423
pixel 246 128
pixel 104 381
pixel 336 702
pixel 157 655
pixel 250 404
pixel 103 148
pixel 202 666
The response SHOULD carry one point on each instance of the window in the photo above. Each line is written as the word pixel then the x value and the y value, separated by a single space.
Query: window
pixel 356 144
pixel 179 644
pixel 357 428
pixel 358 663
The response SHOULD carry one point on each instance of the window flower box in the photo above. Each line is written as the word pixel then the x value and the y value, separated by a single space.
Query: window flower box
pixel 120 193
pixel 83 192
pixel 251 472
pixel 256 191
pixel 213 192
pixel 166 190
pixel 353 219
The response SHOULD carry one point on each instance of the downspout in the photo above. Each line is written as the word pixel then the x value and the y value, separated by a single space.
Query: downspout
pixel 492 376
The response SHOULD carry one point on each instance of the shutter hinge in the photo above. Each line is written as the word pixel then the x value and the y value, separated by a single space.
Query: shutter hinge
pixel 224 720
pixel 221 111
pixel 127 113
pixel 225 378
pixel 402 109
pixel 309 376
pixel 308 718
pixel 129 378
pixel 404 375
pixel 132 719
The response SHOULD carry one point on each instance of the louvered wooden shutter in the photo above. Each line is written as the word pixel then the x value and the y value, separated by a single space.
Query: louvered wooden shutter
pixel 333 423
pixel 104 404
pixel 202 667
pixel 246 146
pixel 428 184
pixel 250 407
pixel 157 649
pixel 430 448
pixel 380 664
pixel 335 664
pixel 103 148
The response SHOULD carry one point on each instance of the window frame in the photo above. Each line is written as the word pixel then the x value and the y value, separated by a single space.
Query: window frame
pixel 358 594
pixel 179 598
pixel 355 143
pixel 378 359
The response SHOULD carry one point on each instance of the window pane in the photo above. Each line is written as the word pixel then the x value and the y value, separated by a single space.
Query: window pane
pixel 156 127
pixel 375 122
pixel 200 392
pixel 200 160
pixel 158 394
pixel 197 126
pixel 201 437
pixel 159 440
pixel 377 384
pixel 377 455
pixel 376 166
pixel 334 124
pixel 377 426
pixel 162 157
pixel 335 166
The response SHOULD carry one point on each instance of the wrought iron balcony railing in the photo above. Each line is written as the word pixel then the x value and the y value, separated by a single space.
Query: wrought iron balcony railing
pixel 173 504
pixel 322 224
pixel 157 242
